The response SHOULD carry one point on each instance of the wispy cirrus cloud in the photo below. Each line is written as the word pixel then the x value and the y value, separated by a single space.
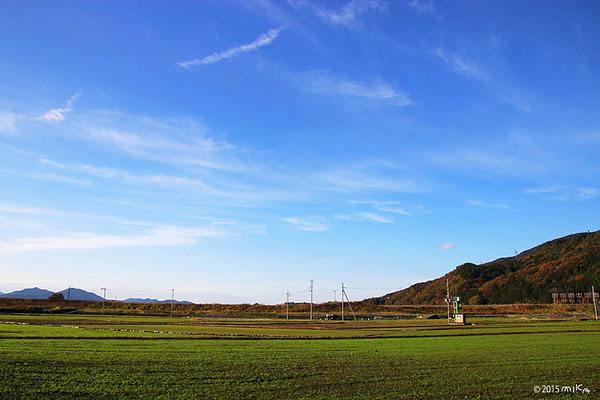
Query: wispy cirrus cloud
pixel 422 6
pixel 263 40
pixel 506 92
pixel 309 224
pixel 346 15
pixel 186 183
pixel 210 226
pixel 325 83
pixel 7 122
pixel 581 193
pixel 58 178
pixel 501 157
pixel 58 114
pixel 366 179
pixel 588 193
pixel 391 206
pixel 459 65
pixel 565 193
pixel 162 236
pixel 8 208
pixel 544 189
pixel 190 161
pixel 167 140
pixel 365 216
pixel 481 204
pixel 447 246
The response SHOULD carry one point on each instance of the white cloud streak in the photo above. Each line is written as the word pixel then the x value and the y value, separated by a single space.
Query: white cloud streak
pixel 347 15
pixel 147 179
pixel 263 40
pixel 479 203
pixel 322 82
pixel 163 236
pixel 51 177
pixel 181 141
pixel 497 87
pixel 587 193
pixel 393 207
pixel 7 122
pixel 499 157
pixel 422 6
pixel 306 224
pixel 365 216
pixel 447 246
pixel 545 189
pixel 57 114
pixel 4 208
pixel 369 216
pixel 346 180
pixel 565 193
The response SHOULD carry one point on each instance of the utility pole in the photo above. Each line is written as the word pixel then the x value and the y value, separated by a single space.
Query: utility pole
pixel 312 284
pixel 172 299
pixel 342 301
pixel 69 294
pixel 349 304
pixel 448 298
pixel 335 296
pixel 287 305
pixel 103 299
pixel 594 300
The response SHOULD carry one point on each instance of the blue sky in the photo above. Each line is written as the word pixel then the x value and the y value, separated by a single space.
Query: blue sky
pixel 236 150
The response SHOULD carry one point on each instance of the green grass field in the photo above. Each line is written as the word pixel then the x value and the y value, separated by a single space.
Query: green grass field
pixel 151 357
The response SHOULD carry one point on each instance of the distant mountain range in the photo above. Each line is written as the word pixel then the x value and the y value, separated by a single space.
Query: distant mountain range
pixel 147 300
pixel 37 293
pixel 74 294
pixel 80 294
pixel 30 293
pixel 568 264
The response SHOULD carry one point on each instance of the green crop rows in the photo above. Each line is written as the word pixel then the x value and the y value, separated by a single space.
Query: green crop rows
pixel 495 358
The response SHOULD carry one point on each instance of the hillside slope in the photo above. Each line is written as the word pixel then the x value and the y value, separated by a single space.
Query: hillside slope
pixel 568 264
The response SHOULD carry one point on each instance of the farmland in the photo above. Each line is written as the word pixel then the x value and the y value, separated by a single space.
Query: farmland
pixel 67 356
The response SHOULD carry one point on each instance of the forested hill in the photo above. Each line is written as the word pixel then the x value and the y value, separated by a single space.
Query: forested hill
pixel 568 264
